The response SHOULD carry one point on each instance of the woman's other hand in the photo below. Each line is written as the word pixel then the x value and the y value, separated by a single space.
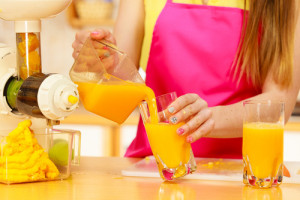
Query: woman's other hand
pixel 193 110
pixel 98 34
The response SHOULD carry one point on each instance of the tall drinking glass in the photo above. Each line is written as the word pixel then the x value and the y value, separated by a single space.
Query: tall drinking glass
pixel 263 143
pixel 174 156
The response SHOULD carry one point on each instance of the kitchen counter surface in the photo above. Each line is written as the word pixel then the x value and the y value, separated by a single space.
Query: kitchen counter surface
pixel 100 178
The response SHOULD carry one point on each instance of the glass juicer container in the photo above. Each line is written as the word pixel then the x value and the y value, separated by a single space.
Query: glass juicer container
pixel 39 155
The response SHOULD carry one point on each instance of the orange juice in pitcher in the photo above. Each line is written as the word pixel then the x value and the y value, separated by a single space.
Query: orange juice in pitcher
pixel 114 100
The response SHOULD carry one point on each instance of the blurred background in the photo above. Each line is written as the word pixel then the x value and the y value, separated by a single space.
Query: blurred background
pixel 101 137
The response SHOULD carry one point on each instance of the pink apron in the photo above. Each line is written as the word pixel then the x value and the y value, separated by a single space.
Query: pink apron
pixel 192 50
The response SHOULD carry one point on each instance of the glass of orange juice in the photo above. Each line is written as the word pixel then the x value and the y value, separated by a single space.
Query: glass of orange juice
pixel 263 143
pixel 174 156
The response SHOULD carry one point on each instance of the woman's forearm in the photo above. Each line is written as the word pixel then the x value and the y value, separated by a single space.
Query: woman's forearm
pixel 129 28
pixel 229 119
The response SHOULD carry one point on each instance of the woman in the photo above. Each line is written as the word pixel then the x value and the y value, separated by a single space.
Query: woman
pixel 214 56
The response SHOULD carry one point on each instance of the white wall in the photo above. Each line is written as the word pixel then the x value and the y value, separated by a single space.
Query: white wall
pixel 291 146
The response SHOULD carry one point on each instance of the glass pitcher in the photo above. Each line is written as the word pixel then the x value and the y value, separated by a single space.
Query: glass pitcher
pixel 107 80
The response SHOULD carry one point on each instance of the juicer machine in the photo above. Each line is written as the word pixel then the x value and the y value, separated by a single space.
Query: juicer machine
pixel 25 92
pixel 32 102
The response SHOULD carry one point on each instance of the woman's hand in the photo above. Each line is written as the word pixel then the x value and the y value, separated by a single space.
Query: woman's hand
pixel 193 110
pixel 100 40
pixel 98 34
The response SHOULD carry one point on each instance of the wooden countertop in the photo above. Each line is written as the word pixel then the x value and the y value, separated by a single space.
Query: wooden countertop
pixel 100 178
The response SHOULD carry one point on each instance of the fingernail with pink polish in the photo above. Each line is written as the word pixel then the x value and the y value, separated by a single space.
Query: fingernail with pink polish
pixel 180 131
pixel 95 33
pixel 189 139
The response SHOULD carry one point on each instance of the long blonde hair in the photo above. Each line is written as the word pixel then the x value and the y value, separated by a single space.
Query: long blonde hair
pixel 267 42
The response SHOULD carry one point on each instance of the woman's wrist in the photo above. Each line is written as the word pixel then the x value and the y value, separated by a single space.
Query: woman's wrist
pixel 228 121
